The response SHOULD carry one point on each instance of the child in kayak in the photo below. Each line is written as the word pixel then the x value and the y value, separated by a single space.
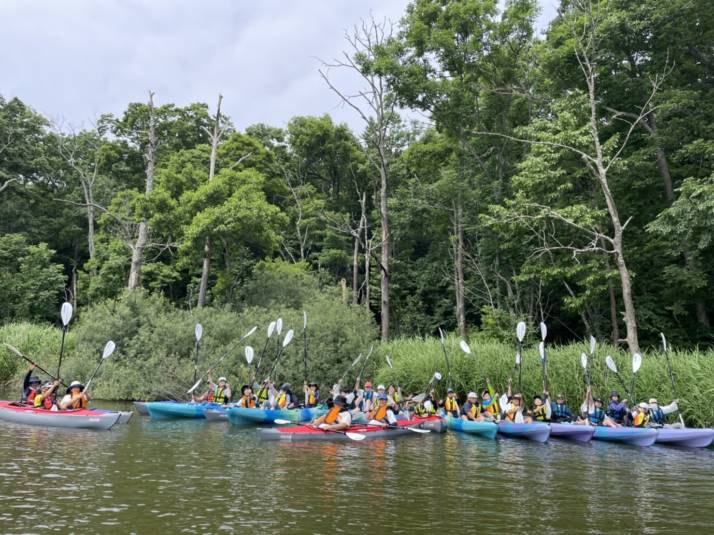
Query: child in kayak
pixel 515 411
pixel 641 416
pixel 617 410
pixel 312 394
pixel 560 411
pixel 541 408
pixel 45 399
pixel 338 418
pixel 471 410
pixel 381 414
pixel 75 397
pixel 451 405
pixel 489 404
pixel 285 399
pixel 247 399
pixel 30 386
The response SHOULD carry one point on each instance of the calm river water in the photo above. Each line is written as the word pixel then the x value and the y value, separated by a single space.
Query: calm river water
pixel 198 477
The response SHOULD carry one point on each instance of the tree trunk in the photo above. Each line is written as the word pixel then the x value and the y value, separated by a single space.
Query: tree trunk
pixel 384 260
pixel 459 269
pixel 355 272
pixel 137 257
pixel 615 333
pixel 367 256
pixel 206 268
pixel 89 202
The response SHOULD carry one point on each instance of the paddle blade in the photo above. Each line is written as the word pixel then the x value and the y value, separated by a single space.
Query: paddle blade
pixel 354 363
pixel 355 436
pixel 418 430
pixel 441 335
pixel 636 362
pixel 271 328
pixel 664 342
pixel 198 331
pixel 543 331
pixel 583 360
pixel 518 359
pixel 503 401
pixel 304 320
pixel 437 376
pixel 389 362
pixel 108 349
pixel 249 354
pixel 611 364
pixel 279 325
pixel 541 350
pixel 288 338
pixel 249 333
pixel 521 330
pixel 280 421
pixel 66 313
pixel 593 344
pixel 194 387
pixel 465 347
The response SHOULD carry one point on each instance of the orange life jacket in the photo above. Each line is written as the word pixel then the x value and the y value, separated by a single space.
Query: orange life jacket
pixel 332 414
pixel 31 393
pixel 281 400
pixel 379 414
pixel 79 402
pixel 248 402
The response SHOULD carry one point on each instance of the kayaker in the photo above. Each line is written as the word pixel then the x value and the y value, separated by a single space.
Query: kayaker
pixel 75 397
pixel 658 415
pixel 617 410
pixel 471 410
pixel 395 394
pixel 217 393
pixel 541 408
pixel 641 417
pixel 515 411
pixel 381 414
pixel 338 418
pixel 451 405
pixel 45 399
pixel 560 411
pixel 247 399
pixel 366 396
pixel 285 399
pixel 312 394
pixel 593 412
pixel 265 393
pixel 30 386
pixel 489 404
pixel 426 407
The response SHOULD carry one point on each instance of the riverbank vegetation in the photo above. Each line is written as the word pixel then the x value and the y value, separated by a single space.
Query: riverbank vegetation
pixel 565 177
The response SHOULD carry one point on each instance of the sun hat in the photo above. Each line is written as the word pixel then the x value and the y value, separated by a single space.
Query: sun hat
pixel 222 379
pixel 643 405
pixel 653 401
pixel 472 395
pixel 380 387
pixel 75 384
pixel 34 380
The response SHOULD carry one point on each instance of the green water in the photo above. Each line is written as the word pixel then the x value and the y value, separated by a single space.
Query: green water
pixel 199 477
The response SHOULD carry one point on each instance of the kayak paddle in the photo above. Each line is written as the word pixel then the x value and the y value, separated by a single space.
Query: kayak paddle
pixel 434 379
pixel 304 352
pixel 543 356
pixel 465 347
pixel 364 362
pixel 671 374
pixel 271 328
pixel 66 315
pixel 108 350
pixel 613 368
pixel 584 364
pixel 636 363
pixel 446 358
pixel 228 352
pixel 389 363
pixel 354 363
pixel 198 332
pixel 520 336
pixel 249 354
pixel 21 355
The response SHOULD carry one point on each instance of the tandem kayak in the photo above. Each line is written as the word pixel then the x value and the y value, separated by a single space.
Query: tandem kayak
pixel 538 432
pixel 243 416
pixel 77 419
pixel 690 438
pixel 482 429
pixel 141 408
pixel 163 410
pixel 633 436
pixel 576 432
pixel 306 432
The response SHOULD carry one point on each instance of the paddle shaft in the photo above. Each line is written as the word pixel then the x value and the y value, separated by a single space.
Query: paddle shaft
pixel 93 374
pixel 195 361
pixel 260 358
pixel 19 354
pixel 59 364
pixel 448 367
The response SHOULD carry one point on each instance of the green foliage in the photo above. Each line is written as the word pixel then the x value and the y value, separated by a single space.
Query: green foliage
pixel 39 342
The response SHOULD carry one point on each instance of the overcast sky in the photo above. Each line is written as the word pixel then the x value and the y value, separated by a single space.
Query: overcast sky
pixel 74 59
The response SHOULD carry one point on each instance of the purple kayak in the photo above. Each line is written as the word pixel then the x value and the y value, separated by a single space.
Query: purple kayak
pixel 689 438
pixel 576 432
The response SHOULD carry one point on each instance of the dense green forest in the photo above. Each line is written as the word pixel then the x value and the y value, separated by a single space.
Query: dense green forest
pixel 564 177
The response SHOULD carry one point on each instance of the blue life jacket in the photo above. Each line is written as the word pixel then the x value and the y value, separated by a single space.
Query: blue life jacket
pixel 616 411
pixel 657 416
pixel 596 417
pixel 561 412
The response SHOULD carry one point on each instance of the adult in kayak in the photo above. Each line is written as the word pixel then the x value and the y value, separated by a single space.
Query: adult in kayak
pixel 45 399
pixel 541 408
pixel 381 414
pixel 285 399
pixel 338 418
pixel 515 411
pixel 658 415
pixel 427 406
pixel 561 413
pixel 75 397
pixel 363 398
pixel 641 416
pixel 471 409
pixel 594 413
pixel 247 399
pixel 30 386
pixel 219 393
pixel 617 410
pixel 489 404
pixel 312 394
pixel 451 405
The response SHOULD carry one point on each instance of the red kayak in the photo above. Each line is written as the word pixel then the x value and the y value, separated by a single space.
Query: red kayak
pixel 354 432
pixel 83 419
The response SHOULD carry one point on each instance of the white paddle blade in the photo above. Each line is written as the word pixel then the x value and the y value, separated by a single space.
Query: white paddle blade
pixel 198 331
pixel 521 330
pixel 249 333
pixel 194 387
pixel 636 362
pixel 611 364
pixel 280 421
pixel 355 436
pixel 271 328
pixel 465 347
pixel 441 334
pixel 389 362
pixel 66 313
pixel 503 401
pixel 249 354
pixel 279 325
pixel 108 349
pixel 359 357
pixel 437 376
pixel 418 430
pixel 543 331
pixel 583 360
pixel 304 320
pixel 288 338
pixel 593 344
pixel 541 350
pixel 518 358
pixel 664 342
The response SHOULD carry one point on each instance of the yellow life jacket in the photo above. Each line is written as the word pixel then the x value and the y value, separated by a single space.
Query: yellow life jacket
pixel 492 407
pixel 281 400
pixel 311 399
pixel 248 402
pixel 641 419
pixel 379 414
pixel 511 415
pixel 263 395
pixel 540 414
pixel 219 396
pixel 475 410
pixel 332 414
pixel 450 405
pixel 421 410
pixel 396 397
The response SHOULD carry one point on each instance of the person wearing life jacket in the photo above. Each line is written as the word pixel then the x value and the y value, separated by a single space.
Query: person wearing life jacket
pixel 285 399
pixel 593 413
pixel 471 410
pixel 641 415
pixel 265 393
pixel 561 413
pixel 75 397
pixel 247 399
pixel 542 410
pixel 617 410
pixel 312 394
pixel 658 415
pixel 30 386
pixel 489 403
pixel 337 418
pixel 515 410
pixel 451 405
pixel 45 399
pixel 395 395
pixel 217 393
pixel 381 414
pixel 364 398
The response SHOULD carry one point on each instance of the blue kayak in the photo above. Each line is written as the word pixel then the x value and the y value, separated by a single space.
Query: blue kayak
pixel 570 431
pixel 634 436
pixel 163 410
pixel 482 429
pixel 538 432
pixel 243 416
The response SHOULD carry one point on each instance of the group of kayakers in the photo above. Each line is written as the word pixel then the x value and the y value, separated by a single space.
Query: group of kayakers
pixel 44 395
